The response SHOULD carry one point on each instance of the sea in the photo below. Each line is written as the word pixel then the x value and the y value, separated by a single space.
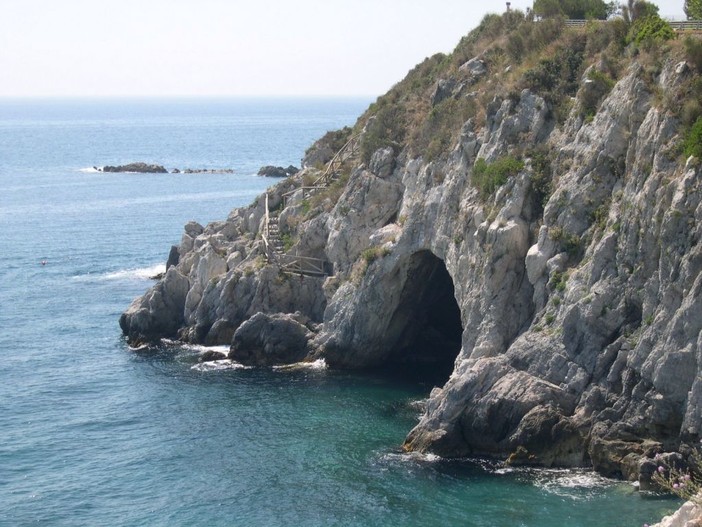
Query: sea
pixel 93 433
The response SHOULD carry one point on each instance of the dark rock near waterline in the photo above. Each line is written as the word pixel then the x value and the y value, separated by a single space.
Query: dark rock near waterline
pixel 173 257
pixel 143 168
pixel 159 313
pixel 269 340
pixel 146 168
pixel 211 355
pixel 204 171
pixel 272 171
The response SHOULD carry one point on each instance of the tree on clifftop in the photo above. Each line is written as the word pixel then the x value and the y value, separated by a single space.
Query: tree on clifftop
pixel 637 9
pixel 693 9
pixel 575 9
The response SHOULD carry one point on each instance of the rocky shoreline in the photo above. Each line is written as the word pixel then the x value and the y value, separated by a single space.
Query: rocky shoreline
pixel 546 257
pixel 147 168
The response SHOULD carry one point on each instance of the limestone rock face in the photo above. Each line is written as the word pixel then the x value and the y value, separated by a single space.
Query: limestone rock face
pixel 689 515
pixel 444 89
pixel 565 301
pixel 475 68
pixel 159 313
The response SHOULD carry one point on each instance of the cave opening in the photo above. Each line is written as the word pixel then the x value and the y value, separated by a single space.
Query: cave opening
pixel 427 323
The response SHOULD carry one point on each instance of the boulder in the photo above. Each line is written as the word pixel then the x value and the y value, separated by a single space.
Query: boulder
pixel 269 340
pixel 444 89
pixel 382 162
pixel 272 171
pixel 475 68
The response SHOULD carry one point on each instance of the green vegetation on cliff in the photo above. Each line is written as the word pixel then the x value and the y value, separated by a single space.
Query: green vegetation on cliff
pixel 425 113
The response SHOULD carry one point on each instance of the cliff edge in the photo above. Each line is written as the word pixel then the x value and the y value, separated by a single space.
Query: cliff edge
pixel 521 216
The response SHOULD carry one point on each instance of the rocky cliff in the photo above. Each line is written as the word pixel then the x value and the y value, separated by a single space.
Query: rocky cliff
pixel 519 215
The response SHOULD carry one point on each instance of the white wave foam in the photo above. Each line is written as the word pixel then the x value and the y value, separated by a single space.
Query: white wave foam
pixel 143 273
pixel 579 481
pixel 571 484
pixel 90 170
pixel 224 349
pixel 412 457
pixel 319 365
pixel 138 348
pixel 219 365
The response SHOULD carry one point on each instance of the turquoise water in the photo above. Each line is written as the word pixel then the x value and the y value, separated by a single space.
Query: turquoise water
pixel 95 434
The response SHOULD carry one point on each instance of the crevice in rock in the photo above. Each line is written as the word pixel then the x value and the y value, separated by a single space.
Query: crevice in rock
pixel 428 322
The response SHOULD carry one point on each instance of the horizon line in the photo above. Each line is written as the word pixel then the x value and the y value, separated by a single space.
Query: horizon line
pixel 184 97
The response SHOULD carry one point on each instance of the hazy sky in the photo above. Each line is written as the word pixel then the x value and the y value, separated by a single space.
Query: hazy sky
pixel 228 47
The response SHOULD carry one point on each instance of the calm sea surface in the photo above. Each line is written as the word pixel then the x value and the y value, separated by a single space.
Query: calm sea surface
pixel 92 433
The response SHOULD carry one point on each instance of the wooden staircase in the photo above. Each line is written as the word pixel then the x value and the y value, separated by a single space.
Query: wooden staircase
pixel 272 241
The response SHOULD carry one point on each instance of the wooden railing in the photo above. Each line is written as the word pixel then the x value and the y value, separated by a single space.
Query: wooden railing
pixel 266 232
pixel 344 154
pixel 305 265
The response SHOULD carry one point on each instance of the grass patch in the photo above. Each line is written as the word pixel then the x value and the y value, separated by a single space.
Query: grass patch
pixel 488 177
pixel 693 140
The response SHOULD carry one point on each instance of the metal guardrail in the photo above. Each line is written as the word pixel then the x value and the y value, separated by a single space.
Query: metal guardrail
pixel 687 25
pixel 677 25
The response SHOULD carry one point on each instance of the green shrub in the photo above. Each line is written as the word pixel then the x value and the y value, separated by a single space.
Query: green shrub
pixel 371 254
pixel 600 36
pixel 334 139
pixel 569 242
pixel 541 185
pixel 532 37
pixel 650 30
pixel 387 128
pixel 693 9
pixel 594 91
pixel 488 177
pixel 576 9
pixel 693 52
pixel 693 140
pixel 288 241
pixel 558 281
pixel 557 78
pixel 436 134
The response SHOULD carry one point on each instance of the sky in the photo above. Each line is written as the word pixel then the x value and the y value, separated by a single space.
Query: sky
pixel 123 48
